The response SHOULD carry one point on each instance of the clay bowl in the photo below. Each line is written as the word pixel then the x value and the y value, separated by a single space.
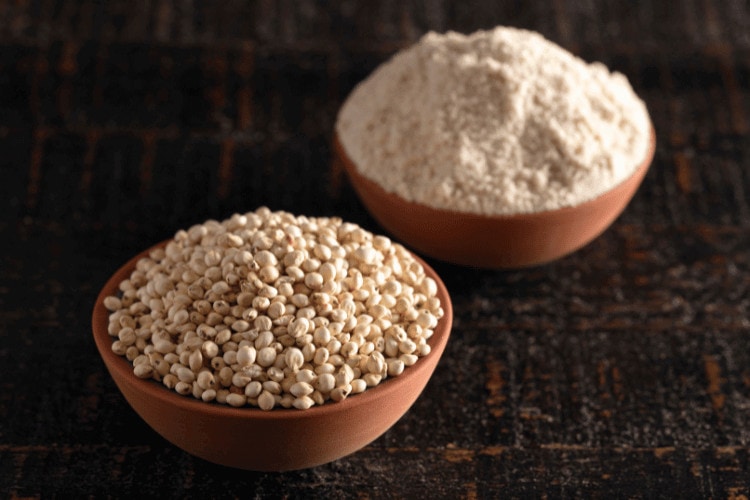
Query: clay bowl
pixel 505 241
pixel 280 439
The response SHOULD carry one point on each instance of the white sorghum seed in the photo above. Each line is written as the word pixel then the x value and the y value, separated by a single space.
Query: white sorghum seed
pixel 395 367
pixel 206 380
pixel 391 347
pixel 266 356
pixel 275 374
pixel 170 381
pixel 300 389
pixel 410 314
pixel 240 379
pixel 358 386
pixel 376 363
pixel 349 324
pixel 268 273
pixel 184 357
pixel 321 356
pixel 223 336
pixel 425 319
pixel 409 359
pixel 184 388
pixel 294 258
pixel 318 397
pixel 266 401
pixel 197 391
pixel 349 349
pixel 143 370
pixel 276 310
pixel 164 346
pixel 195 360
pixel 328 272
pixel 119 348
pixel 324 368
pixel 268 292
pixel 206 331
pixel 221 395
pixel 325 383
pixel 161 367
pixel 225 376
pixel 372 379
pixel 285 400
pixel 334 346
pixel 298 327
pixel 272 386
pixel 322 335
pixel 344 376
pixel 341 393
pixel 322 252
pixel 300 300
pixel 217 363
pixel 128 321
pixel 367 348
pixel 338 315
pixel 415 331
pixel 407 346
pixel 253 389
pixel 240 325
pixel 236 400
pixel 230 357
pixel 283 312
pixel 310 265
pixel 246 355
pixel 261 303
pixel 264 339
pixel 127 336
pixel 191 340
pixel 181 317
pixel 112 303
pixel 303 402
pixel 294 358
pixel 296 273
pixel 305 375
pixel 185 374
pixel 265 258
pixel 307 313
pixel 314 281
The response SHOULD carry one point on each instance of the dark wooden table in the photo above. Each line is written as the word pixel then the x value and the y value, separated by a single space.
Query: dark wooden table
pixel 622 370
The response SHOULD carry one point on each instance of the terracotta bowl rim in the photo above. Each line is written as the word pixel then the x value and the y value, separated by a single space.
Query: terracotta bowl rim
pixel 640 171
pixel 123 369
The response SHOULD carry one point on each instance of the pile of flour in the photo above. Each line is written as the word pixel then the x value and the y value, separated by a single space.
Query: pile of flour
pixel 496 122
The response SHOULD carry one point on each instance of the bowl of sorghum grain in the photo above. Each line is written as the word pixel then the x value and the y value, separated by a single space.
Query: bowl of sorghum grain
pixel 270 341
pixel 497 149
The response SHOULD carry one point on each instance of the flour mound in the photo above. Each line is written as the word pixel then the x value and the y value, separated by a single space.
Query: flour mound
pixel 496 122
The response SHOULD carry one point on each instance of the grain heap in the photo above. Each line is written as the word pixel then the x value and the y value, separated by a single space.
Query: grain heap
pixel 268 309
pixel 497 122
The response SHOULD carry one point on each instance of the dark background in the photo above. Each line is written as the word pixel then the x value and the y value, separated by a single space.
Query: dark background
pixel 622 370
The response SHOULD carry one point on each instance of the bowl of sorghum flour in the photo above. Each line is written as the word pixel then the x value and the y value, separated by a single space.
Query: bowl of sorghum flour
pixel 494 149
pixel 270 341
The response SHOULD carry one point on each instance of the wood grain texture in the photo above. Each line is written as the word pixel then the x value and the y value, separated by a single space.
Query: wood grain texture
pixel 620 371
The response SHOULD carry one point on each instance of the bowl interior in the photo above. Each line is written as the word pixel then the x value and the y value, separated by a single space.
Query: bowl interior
pixel 281 439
